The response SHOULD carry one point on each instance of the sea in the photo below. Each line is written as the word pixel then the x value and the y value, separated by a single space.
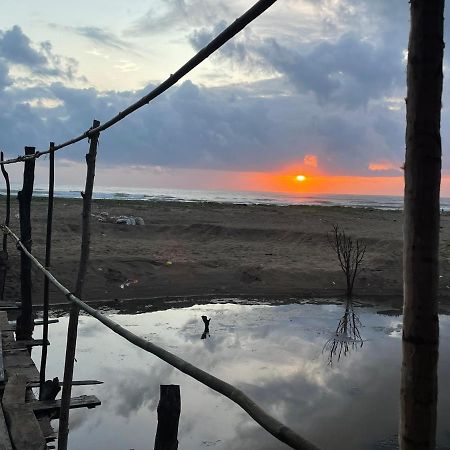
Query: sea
pixel 234 197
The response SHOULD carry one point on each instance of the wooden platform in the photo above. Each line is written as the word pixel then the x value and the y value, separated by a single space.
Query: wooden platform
pixel 25 421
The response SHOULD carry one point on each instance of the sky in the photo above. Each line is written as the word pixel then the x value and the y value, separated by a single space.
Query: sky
pixel 311 87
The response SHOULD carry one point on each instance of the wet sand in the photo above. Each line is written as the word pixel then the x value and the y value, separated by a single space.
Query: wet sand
pixel 223 250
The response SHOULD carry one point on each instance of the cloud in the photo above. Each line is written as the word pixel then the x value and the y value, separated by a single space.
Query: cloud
pixel 16 47
pixel 310 161
pixel 98 35
pixel 338 96
pixel 102 37
pixel 384 166
pixel 178 14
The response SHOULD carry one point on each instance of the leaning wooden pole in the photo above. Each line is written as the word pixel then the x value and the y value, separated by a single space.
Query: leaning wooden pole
pixel 4 252
pixel 421 226
pixel 74 310
pixel 25 325
pixel 48 250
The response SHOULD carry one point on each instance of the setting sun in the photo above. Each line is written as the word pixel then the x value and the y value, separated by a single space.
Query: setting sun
pixel 300 178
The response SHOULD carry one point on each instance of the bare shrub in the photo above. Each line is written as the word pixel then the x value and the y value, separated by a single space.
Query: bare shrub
pixel 350 253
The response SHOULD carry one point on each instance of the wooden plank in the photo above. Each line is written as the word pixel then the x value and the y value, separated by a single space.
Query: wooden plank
pixel 3 319
pixel 15 390
pixel 24 429
pixel 12 323
pixel 47 430
pixel 8 306
pixel 5 441
pixel 25 343
pixel 19 362
pixel 34 384
pixel 23 426
pixel 2 368
pixel 53 406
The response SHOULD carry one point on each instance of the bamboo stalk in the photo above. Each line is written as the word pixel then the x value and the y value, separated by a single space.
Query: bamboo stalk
pixel 48 250
pixel 4 253
pixel 273 426
pixel 238 25
pixel 74 310
pixel 419 386
pixel 24 327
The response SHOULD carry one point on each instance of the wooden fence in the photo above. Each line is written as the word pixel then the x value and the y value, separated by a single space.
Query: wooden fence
pixel 24 244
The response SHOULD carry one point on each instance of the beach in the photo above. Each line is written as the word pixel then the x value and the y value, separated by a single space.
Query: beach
pixel 202 248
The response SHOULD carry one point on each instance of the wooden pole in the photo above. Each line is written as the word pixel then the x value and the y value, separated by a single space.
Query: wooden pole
pixel 24 327
pixel 4 253
pixel 169 409
pixel 419 388
pixel 48 249
pixel 74 310
pixel 273 426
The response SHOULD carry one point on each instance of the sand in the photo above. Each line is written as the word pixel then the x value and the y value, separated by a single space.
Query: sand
pixel 224 250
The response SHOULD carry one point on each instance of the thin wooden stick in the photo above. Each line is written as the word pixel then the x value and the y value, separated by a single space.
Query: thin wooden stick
pixel 273 426
pixel 4 253
pixel 8 202
pixel 238 25
pixel 74 310
pixel 24 327
pixel 48 250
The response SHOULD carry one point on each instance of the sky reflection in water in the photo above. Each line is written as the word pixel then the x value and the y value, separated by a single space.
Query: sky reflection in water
pixel 278 355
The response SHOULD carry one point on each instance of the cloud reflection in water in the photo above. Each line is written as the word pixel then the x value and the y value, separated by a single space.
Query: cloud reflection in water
pixel 274 353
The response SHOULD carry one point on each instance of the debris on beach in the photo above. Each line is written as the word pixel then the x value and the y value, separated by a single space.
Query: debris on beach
pixel 128 282
pixel 121 220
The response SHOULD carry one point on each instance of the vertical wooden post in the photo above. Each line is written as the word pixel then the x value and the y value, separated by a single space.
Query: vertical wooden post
pixel 25 324
pixel 48 249
pixel 419 388
pixel 74 310
pixel 4 252
pixel 169 408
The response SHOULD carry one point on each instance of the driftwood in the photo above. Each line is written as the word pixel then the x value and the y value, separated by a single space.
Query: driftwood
pixel 74 310
pixel 48 250
pixel 273 426
pixel 25 320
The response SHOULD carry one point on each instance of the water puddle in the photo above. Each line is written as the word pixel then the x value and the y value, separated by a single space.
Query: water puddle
pixel 338 389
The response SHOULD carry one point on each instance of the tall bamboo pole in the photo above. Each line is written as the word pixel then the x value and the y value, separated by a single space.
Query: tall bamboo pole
pixel 421 226
pixel 25 324
pixel 48 250
pixel 74 310
pixel 4 252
